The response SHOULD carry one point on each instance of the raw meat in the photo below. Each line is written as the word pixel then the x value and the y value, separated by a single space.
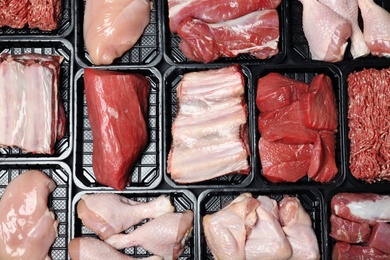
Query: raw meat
pixel 27 227
pixel 345 251
pixel 117 110
pixel 256 33
pixel 226 230
pixel 213 11
pixel 362 207
pixel 349 231
pixel 327 32
pixel 88 248
pixel 284 162
pixel 107 214
pixel 44 15
pixel 297 226
pixel 368 110
pixel 209 132
pixel 276 91
pixel 285 125
pixel 112 27
pixel 317 107
pixel 376 22
pixel 31 111
pixel 349 10
pixel 380 237
pixel 267 239
pixel 165 235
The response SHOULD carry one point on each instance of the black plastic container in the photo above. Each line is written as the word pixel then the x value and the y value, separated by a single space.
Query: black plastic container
pixel 182 200
pixel 172 78
pixel 63 48
pixel 59 200
pixel 146 52
pixel 147 171
pixel 211 201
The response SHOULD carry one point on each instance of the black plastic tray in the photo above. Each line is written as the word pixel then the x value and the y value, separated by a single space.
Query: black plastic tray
pixel 147 50
pixel 59 200
pixel 172 78
pixel 182 200
pixel 306 73
pixel 65 26
pixel 211 201
pixel 61 47
pixel 147 171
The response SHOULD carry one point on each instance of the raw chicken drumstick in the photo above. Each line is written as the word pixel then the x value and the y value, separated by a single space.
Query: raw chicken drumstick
pixel 165 236
pixel 108 214
pixel 27 227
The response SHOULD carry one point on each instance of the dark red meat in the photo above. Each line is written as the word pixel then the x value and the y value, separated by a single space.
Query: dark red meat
pixel 283 125
pixel 348 231
pixel 284 162
pixel 214 11
pixel 318 106
pixel 369 129
pixel 380 237
pixel 275 91
pixel 256 33
pixel 117 110
pixel 345 251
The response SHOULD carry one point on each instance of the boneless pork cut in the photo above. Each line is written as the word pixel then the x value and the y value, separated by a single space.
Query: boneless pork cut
pixel 117 110
pixel 209 132
pixel 31 111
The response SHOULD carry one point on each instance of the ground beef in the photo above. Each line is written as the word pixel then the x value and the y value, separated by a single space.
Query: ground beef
pixel 369 124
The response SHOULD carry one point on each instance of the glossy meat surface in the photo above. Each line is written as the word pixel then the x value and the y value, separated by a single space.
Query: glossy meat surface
pixel 27 227
pixel 108 214
pixel 345 251
pixel 256 33
pixel 214 11
pixel 380 237
pixel 117 110
pixel 349 231
pixel 113 27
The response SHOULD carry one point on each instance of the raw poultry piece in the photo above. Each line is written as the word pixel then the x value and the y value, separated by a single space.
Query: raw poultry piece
pixel 380 237
pixel 88 248
pixel 362 207
pixel 31 111
pixel 107 214
pixel 112 27
pixel 256 33
pixel 368 110
pixel 165 235
pixel 267 239
pixel 345 251
pixel 27 227
pixel 117 110
pixel 213 11
pixel 226 230
pixel 349 10
pixel 209 133
pixel 376 22
pixel 349 231
pixel 297 226
pixel 326 31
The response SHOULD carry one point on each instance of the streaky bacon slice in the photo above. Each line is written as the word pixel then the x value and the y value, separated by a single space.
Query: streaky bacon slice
pixel 209 133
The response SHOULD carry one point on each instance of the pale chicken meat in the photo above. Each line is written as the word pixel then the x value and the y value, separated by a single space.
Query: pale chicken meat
pixel 108 214
pixel 326 31
pixel 349 10
pixel 27 227
pixel 112 27
pixel 226 230
pixel 376 22
pixel 267 239
pixel 165 236
pixel 88 248
pixel 297 226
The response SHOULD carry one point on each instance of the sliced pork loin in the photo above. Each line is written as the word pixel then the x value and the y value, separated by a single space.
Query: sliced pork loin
pixel 209 133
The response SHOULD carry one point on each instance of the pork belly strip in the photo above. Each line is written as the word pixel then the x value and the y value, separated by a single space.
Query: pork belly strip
pixel 210 130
